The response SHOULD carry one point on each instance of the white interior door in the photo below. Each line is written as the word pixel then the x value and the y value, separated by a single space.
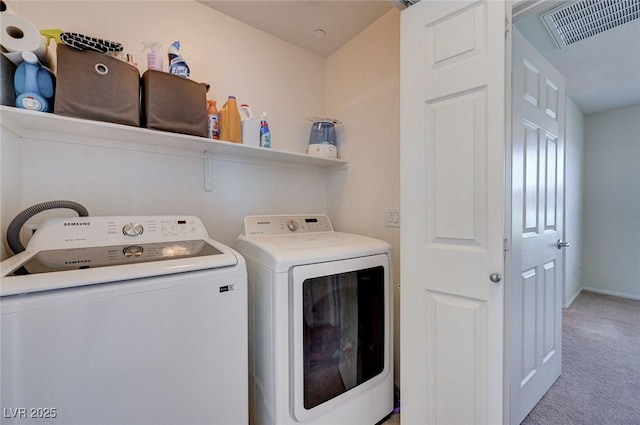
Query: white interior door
pixel 452 153
pixel 535 289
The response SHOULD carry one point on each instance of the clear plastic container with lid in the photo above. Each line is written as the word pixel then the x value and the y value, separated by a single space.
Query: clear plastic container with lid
pixel 322 139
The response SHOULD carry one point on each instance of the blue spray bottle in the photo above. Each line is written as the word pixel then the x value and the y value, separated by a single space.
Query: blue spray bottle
pixel 265 133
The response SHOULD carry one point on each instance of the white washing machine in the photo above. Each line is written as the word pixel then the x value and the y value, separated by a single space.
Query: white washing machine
pixel 124 320
pixel 320 315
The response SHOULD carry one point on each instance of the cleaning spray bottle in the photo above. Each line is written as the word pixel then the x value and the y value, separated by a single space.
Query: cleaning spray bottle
pixel 214 116
pixel 177 64
pixel 265 133
pixel 154 58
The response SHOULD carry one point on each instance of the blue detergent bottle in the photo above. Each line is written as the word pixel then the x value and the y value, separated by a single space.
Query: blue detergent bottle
pixel 33 84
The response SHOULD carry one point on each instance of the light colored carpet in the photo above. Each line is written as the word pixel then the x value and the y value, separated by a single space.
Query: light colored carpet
pixel 392 420
pixel 600 381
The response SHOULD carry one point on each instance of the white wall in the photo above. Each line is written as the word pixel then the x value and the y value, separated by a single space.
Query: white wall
pixel 363 91
pixel 236 59
pixel 611 226
pixel 359 84
pixel 10 182
pixel 574 193
pixel 269 74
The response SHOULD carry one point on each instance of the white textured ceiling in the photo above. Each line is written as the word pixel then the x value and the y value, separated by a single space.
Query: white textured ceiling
pixel 602 72
pixel 295 20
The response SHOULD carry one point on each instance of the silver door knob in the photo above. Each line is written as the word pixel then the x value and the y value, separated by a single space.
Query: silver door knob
pixel 562 244
pixel 495 277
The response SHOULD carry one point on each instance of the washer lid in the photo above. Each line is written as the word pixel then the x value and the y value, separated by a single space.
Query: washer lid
pixel 33 271
pixel 56 260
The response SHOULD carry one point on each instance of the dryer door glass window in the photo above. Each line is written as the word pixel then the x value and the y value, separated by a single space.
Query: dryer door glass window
pixel 343 332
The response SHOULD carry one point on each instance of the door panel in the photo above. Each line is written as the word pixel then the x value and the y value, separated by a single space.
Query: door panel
pixel 452 153
pixel 535 295
pixel 457 141
pixel 457 355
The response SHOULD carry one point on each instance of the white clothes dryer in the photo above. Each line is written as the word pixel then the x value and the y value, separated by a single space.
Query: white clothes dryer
pixel 320 314
pixel 124 320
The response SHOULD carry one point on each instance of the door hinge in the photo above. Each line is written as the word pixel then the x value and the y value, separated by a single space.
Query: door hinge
pixel 507 27
pixel 506 245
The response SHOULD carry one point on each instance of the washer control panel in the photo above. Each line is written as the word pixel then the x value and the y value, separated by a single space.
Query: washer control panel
pixel 159 227
pixel 286 224
pixel 100 231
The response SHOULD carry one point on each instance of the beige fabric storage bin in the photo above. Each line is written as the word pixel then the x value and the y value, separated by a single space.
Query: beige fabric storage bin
pixel 96 86
pixel 173 103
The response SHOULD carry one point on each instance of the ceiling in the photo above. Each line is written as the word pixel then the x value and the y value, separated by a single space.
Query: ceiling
pixel 601 72
pixel 296 20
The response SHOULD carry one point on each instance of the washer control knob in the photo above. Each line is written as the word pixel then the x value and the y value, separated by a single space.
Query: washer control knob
pixel 132 229
pixel 292 225
pixel 133 251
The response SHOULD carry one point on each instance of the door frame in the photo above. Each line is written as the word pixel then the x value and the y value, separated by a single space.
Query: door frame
pixel 508 176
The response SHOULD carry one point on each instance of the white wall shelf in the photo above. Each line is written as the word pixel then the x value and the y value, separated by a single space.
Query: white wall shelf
pixel 51 127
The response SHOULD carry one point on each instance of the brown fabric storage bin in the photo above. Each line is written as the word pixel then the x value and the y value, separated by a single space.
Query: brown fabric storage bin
pixel 7 90
pixel 173 103
pixel 96 86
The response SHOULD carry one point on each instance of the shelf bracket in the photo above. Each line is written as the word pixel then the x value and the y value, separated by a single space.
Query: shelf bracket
pixel 208 171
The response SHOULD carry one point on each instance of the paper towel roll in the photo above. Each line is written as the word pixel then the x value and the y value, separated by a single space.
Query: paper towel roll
pixel 4 8
pixel 19 35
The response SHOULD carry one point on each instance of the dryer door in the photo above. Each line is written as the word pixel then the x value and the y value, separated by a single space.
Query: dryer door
pixel 341 331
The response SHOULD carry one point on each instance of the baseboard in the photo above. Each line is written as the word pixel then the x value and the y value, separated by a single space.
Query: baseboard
pixel 612 293
pixel 568 303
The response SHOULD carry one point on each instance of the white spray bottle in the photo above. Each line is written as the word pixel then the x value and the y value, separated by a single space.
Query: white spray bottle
pixel 154 58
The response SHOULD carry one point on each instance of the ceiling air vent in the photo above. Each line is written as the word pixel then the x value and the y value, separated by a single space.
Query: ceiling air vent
pixel 403 4
pixel 582 19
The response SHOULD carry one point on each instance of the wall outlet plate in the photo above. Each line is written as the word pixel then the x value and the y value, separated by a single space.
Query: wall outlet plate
pixel 392 218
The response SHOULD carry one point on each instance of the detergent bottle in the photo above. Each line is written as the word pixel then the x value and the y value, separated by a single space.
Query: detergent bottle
pixel 33 84
pixel 250 126
pixel 230 122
